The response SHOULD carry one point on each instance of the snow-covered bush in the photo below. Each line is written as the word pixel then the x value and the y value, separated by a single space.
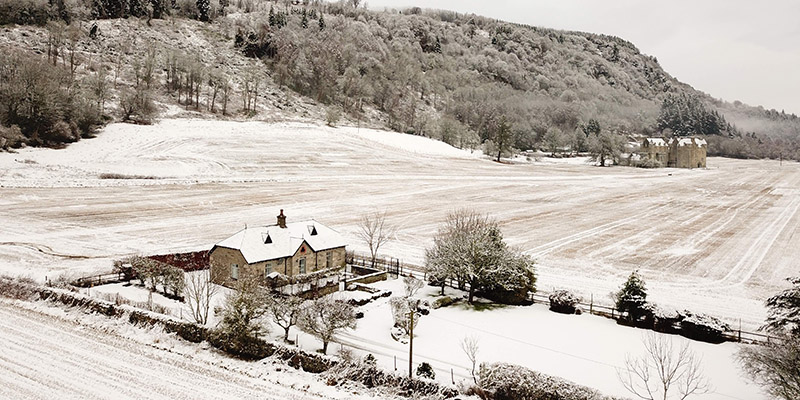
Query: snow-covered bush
pixel 703 327
pixel 564 301
pixel 401 313
pixel 426 371
pixel 502 381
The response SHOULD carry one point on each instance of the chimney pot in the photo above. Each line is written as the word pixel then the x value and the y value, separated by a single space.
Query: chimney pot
pixel 281 220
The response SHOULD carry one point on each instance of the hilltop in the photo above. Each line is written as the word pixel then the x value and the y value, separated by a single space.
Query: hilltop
pixel 463 79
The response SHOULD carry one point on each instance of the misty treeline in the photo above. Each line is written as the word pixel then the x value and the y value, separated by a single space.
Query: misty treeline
pixel 463 79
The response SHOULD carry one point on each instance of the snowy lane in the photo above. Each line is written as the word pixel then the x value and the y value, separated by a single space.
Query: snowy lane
pixel 45 357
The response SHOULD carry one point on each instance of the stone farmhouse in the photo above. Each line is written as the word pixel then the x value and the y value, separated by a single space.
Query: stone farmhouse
pixel 290 249
pixel 680 152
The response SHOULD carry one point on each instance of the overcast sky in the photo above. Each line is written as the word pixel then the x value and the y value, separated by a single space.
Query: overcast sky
pixel 731 49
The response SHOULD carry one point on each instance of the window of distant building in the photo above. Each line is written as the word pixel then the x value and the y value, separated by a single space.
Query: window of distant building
pixel 234 271
pixel 302 265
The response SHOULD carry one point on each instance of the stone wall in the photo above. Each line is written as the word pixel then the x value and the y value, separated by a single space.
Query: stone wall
pixel 222 258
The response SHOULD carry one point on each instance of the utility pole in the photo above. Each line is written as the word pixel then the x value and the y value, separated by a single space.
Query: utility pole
pixel 411 343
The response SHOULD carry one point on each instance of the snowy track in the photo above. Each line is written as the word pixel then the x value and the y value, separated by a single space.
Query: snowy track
pixel 45 357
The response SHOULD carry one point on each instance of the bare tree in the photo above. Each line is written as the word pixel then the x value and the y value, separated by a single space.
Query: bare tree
pixel 412 285
pixel 372 229
pixel 199 291
pixel 285 312
pixel 470 347
pixel 325 317
pixel 663 372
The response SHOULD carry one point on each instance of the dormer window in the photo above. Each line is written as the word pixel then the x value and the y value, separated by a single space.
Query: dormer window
pixel 312 230
pixel 267 239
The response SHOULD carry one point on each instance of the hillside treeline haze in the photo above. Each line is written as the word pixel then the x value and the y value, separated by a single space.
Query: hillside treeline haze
pixel 463 79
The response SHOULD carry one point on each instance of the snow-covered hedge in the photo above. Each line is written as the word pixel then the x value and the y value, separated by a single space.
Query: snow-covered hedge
pixel 564 301
pixel 502 381
pixel 661 319
pixel 370 376
pixel 703 327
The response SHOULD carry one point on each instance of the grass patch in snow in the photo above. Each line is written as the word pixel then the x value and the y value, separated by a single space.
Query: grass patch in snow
pixel 480 307
pixel 108 175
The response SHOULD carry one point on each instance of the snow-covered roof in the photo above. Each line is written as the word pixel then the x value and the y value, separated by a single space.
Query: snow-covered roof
pixel 262 243
pixel 656 141
pixel 689 141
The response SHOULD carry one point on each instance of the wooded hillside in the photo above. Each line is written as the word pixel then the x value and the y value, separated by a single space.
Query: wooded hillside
pixel 463 79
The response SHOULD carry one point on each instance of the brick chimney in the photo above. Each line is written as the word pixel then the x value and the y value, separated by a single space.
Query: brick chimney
pixel 281 220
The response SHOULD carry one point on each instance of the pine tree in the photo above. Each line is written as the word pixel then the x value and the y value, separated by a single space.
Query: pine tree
pixel 632 296
pixel 203 8
pixel 321 22
pixel 304 22
pixel 271 16
pixel 784 310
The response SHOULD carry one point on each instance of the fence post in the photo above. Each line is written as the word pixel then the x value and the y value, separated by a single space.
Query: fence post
pixel 591 304
pixel 740 330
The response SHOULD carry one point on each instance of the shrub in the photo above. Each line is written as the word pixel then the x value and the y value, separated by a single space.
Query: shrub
pixel 503 381
pixel 426 371
pixel 703 327
pixel 564 301
pixel 17 288
pixel 333 115
pixel 649 163
pixel 10 137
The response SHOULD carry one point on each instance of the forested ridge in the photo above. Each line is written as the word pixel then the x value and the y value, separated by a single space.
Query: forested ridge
pixel 467 80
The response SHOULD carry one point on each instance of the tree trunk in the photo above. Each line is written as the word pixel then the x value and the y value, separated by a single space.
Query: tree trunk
pixel 471 291
pixel 325 347
pixel 286 334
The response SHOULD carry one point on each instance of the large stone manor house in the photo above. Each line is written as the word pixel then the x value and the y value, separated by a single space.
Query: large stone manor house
pixel 679 152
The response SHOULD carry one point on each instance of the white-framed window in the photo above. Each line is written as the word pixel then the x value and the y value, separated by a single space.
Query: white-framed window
pixel 234 271
pixel 267 268
pixel 329 259
pixel 302 263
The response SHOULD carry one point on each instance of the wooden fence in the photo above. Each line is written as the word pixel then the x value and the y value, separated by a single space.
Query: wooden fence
pixel 391 265
pixel 102 279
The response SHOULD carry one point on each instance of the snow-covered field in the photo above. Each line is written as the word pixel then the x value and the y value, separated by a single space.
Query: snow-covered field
pixel 586 349
pixel 718 240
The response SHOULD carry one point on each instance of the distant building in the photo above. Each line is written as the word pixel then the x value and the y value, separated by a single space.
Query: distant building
pixel 680 152
pixel 289 249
